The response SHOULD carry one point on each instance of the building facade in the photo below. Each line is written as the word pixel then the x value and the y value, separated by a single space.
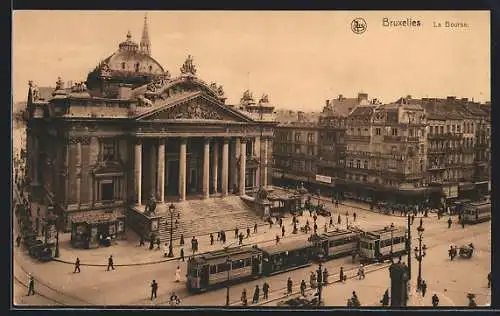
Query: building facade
pixel 131 131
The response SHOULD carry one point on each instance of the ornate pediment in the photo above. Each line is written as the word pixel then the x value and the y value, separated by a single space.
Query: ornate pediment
pixel 198 108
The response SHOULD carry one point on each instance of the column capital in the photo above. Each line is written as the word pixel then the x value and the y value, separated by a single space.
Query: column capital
pixel 184 140
pixel 226 140
pixel 208 139
pixel 245 139
pixel 138 141
pixel 161 141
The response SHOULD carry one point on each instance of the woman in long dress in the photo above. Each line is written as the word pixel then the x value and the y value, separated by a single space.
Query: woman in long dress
pixel 178 274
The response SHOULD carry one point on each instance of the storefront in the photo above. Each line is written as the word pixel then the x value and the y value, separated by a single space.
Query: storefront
pixel 95 230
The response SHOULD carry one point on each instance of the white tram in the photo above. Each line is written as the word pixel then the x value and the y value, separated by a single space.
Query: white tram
pixel 476 212
pixel 383 243
pixel 337 243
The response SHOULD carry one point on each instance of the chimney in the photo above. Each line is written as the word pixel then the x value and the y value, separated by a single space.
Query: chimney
pixel 300 116
pixel 124 92
pixel 341 97
pixel 327 102
pixel 362 96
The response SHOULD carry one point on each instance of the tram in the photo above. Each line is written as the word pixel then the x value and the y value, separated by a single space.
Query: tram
pixel 477 212
pixel 381 244
pixel 336 244
pixel 220 267
pixel 286 256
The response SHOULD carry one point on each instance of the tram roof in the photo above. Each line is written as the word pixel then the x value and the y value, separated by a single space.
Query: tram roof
pixel 337 233
pixel 234 253
pixel 285 246
pixel 376 234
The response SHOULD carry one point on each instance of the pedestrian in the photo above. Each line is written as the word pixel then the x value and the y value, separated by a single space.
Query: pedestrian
pixel 218 236
pixel 336 203
pixel 341 274
pixel 489 279
pixel 193 244
pixel 154 289
pixel 182 254
pixel 110 263
pixel 270 220
pixel 282 231
pixel 355 300
pixel 244 300
pixel 141 241
pixel 339 220
pixel 449 222
pixel 18 240
pixel 303 287
pixel 277 239
pixel 174 299
pixel 223 235
pixel 265 290
pixel 423 287
pixel 463 223
pixel 450 252
pixel 178 274
pixel 472 302
pixel 248 232
pixel 354 216
pixel 151 242
pixel 435 300
pixel 331 221
pixel 77 265
pixel 361 272
pixel 211 239
pixel 241 239
pixel 31 285
pixel 236 233
pixel 182 240
pixel 315 227
pixel 325 228
pixel 281 222
pixel 289 286
pixel 256 294
pixel 315 218
pixel 325 277
pixel 255 228
pixel 165 250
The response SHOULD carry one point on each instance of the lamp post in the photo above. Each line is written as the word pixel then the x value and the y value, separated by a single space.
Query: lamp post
pixel 56 254
pixel 320 282
pixel 408 247
pixel 319 197
pixel 392 239
pixel 171 210
pixel 228 262
pixel 420 254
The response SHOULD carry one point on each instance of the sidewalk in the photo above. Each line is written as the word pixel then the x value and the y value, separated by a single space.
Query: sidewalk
pixel 128 253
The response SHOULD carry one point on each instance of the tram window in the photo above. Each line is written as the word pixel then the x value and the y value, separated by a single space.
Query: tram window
pixel 365 245
pixel 213 269
pixel 222 267
pixel 248 262
pixel 238 264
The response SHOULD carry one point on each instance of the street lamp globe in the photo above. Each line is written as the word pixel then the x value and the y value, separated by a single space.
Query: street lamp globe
pixel 416 251
pixel 424 248
pixel 420 230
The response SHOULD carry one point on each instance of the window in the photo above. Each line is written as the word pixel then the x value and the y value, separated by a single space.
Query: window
pixel 238 264
pixel 453 128
pixel 365 164
pixel 249 149
pixel 107 190
pixel 297 137
pixel 358 164
pixel 412 132
pixel 394 131
pixel 108 149
pixel 310 137
pixel 359 131
pixel 441 130
pixel 448 129
pixel 123 66
pixel 213 269
pixel 458 128
pixel 351 164
pixel 222 267
pixel 432 130
pixel 377 131
pixel 297 149
pixel 137 67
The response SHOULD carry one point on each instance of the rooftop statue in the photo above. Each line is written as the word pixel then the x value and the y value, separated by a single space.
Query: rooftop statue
pixel 188 67
pixel 59 84
pixel 264 99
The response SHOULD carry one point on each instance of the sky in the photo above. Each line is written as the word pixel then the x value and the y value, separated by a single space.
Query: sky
pixel 299 59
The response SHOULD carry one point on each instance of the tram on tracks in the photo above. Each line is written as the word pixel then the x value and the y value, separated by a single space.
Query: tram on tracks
pixel 476 212
pixel 381 244
pixel 235 264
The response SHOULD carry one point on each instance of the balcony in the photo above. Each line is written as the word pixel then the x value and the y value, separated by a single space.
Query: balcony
pixel 436 151
pixel 357 138
pixel 393 139
pixel 437 167
pixel 446 136
pixel 413 139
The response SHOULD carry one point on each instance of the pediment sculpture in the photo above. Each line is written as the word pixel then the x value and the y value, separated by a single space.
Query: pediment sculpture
pixel 150 206
pixel 188 67
pixel 143 101
pixel 194 111
pixel 79 87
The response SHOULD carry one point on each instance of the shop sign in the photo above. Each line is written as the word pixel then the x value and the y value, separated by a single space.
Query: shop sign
pixel 323 179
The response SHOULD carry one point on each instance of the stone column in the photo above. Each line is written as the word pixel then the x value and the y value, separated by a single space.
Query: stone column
pixel 243 160
pixel 225 166
pixel 215 165
pixel 138 171
pixel 264 172
pixel 182 170
pixel 160 186
pixel 152 171
pixel 78 166
pixel 206 170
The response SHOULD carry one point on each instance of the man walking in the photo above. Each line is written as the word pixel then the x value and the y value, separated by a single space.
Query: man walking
pixel 265 290
pixel 18 240
pixel 449 222
pixel 423 286
pixel 110 263
pixel 255 228
pixel 236 233
pixel 77 265
pixel 341 274
pixel 282 231
pixel 211 239
pixel 248 232
pixel 435 300
pixel 289 286
pixel 489 279
pixel 141 241
pixel 354 216
pixel 154 289
pixel 182 254
pixel 303 287
pixel 256 294
pixel 31 285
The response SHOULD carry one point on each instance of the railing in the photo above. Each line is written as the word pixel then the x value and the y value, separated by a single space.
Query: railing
pixel 357 138
pixel 388 138
pixel 413 139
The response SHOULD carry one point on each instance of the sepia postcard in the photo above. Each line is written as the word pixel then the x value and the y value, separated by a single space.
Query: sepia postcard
pixel 251 159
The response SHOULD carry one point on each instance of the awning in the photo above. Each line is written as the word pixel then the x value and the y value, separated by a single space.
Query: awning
pixel 466 186
pixel 93 217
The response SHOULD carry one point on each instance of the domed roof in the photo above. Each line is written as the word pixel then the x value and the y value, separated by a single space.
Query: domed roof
pixel 129 58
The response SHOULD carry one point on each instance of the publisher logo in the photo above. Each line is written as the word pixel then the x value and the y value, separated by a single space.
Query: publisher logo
pixel 358 25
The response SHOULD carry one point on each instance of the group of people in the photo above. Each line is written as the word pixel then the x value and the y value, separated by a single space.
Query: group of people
pixel 256 294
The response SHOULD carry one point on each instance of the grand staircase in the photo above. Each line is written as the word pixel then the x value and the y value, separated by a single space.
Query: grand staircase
pixel 202 217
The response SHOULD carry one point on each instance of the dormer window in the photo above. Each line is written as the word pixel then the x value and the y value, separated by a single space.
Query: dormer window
pixel 123 65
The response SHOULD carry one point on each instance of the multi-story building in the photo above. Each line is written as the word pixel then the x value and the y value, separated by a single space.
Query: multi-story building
pixel 132 133
pixel 386 151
